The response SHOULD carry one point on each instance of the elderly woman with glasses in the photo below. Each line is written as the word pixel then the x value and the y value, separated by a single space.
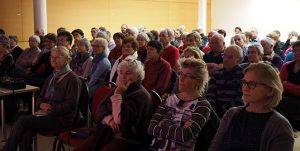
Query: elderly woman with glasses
pixel 100 64
pixel 56 104
pixel 178 120
pixel 124 115
pixel 256 126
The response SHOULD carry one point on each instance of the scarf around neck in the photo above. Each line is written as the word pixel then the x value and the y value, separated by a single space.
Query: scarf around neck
pixel 56 74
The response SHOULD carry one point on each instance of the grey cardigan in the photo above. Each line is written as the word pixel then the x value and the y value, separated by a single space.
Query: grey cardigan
pixel 277 135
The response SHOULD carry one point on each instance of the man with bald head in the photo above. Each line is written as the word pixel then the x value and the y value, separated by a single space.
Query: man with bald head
pixel 214 58
pixel 224 87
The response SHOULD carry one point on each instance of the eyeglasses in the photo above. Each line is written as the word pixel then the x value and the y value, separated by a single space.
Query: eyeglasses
pixel 187 75
pixel 251 84
pixel 97 46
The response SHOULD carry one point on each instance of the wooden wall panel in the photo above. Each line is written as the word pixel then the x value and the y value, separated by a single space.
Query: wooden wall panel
pixel 153 14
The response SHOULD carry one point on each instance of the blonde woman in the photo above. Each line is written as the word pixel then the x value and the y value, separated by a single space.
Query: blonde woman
pixel 177 121
pixel 256 126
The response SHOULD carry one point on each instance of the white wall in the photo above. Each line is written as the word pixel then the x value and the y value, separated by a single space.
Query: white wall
pixel 265 15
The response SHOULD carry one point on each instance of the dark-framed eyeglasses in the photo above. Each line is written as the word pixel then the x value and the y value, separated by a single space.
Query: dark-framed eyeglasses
pixel 187 75
pixel 251 84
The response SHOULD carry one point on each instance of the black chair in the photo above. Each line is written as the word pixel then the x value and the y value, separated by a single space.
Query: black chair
pixel 73 137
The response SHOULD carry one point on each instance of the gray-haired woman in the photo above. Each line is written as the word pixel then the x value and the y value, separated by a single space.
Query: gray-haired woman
pixel 56 104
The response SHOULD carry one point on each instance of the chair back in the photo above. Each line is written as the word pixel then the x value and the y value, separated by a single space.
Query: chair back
pixel 156 99
pixel 173 79
pixel 83 104
pixel 100 94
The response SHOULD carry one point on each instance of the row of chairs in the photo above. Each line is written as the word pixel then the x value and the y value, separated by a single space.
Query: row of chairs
pixel 87 110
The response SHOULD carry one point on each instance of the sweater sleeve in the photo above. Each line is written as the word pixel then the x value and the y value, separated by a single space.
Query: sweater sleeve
pixel 164 128
pixel 165 77
pixel 87 67
pixel 288 86
pixel 216 143
pixel 70 99
pixel 101 68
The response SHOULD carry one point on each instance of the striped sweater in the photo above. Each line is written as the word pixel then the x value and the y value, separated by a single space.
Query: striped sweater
pixel 225 89
pixel 167 124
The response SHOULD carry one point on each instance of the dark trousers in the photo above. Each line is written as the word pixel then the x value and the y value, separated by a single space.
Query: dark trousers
pixel 289 107
pixel 25 128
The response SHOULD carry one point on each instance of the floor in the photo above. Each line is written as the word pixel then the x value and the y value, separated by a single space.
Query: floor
pixel 45 143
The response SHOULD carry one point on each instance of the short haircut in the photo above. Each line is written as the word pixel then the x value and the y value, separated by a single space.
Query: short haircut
pixel 52 37
pixel 200 70
pixel 135 66
pixel 237 51
pixel 274 36
pixel 196 36
pixel 258 47
pixel 144 36
pixel 249 34
pixel 79 31
pixel 155 44
pixel 267 75
pixel 195 50
pixel 269 40
pixel 102 28
pixel 2 32
pixel 242 36
pixel 118 34
pixel 222 32
pixel 296 44
pixel 103 42
pixel 86 43
pixel 13 38
pixel 37 38
pixel 132 41
pixel 239 28
pixel 169 32
pixel 64 52
pixel 60 29
pixel 4 40
pixel 66 34
pixel 101 34
pixel 155 34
